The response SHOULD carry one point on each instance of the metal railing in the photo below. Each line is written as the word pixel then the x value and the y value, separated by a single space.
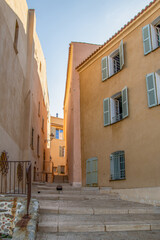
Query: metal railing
pixel 15 178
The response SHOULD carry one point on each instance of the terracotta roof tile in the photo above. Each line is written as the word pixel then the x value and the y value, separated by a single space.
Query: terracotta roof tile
pixel 113 36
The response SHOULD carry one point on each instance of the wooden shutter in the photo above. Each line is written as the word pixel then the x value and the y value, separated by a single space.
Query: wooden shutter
pixel 157 76
pixel 88 172
pixel 154 37
pixel 112 166
pixel 94 177
pixel 121 54
pixel 104 68
pixel 111 66
pixel 124 102
pixel 113 110
pixel 146 39
pixel 151 90
pixel 106 111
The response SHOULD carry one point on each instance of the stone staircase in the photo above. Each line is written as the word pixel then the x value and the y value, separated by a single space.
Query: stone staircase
pixel 93 213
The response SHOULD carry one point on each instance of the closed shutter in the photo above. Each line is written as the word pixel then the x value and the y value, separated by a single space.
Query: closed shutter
pixel 112 166
pixel 106 111
pixel 146 39
pixel 88 172
pixel 151 90
pixel 154 37
pixel 104 68
pixel 111 66
pixel 124 103
pixel 116 166
pixel 121 54
pixel 94 171
pixel 158 86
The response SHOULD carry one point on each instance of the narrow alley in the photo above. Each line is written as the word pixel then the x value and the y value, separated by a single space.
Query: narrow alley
pixel 92 213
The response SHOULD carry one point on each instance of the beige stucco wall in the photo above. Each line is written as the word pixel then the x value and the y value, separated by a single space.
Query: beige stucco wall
pixel 77 53
pixel 23 85
pixel 56 143
pixel 139 134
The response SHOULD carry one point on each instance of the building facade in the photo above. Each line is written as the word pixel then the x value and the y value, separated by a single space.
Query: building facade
pixel 24 101
pixel 77 53
pixel 119 106
pixel 57 151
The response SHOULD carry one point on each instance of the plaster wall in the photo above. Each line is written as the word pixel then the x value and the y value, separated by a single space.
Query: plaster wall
pixel 77 53
pixel 138 134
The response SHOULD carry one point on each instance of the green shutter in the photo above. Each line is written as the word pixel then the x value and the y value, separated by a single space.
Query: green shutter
pixel 112 166
pixel 124 102
pixel 94 171
pixel 88 173
pixel 106 111
pixel 151 90
pixel 104 68
pixel 146 39
pixel 121 54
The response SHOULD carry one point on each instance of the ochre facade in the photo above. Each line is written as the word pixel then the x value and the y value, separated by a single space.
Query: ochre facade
pixel 24 101
pixel 77 53
pixel 138 134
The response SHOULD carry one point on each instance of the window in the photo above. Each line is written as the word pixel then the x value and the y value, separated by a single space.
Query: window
pixel 39 109
pixel 32 138
pixel 117 165
pixel 116 107
pixel 59 134
pixel 153 89
pixel 42 124
pixel 62 169
pixel 53 132
pixel 113 63
pixel 54 169
pixel 16 37
pixel 38 146
pixel 151 36
pixel 61 151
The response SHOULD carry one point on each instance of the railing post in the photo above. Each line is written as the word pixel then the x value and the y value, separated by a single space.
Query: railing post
pixel 28 173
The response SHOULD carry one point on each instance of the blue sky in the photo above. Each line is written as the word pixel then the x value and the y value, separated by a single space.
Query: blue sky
pixel 59 22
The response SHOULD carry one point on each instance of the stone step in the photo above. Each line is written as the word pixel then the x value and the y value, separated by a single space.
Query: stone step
pixel 95 211
pixel 48 227
pixel 129 235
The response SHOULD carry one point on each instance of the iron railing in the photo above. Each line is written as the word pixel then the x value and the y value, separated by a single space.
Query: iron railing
pixel 15 178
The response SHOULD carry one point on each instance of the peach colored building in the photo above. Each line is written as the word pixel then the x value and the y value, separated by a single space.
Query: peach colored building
pixel 120 106
pixel 57 151
pixel 77 53
pixel 24 100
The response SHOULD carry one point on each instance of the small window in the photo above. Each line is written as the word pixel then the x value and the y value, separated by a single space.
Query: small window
pixel 39 107
pixel 16 37
pixel 57 133
pixel 32 139
pixel 117 165
pixel 38 146
pixel 151 36
pixel 116 107
pixel 153 89
pixel 113 63
pixel 42 124
pixel 61 151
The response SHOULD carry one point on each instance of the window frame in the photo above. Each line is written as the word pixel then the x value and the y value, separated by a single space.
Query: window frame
pixel 117 166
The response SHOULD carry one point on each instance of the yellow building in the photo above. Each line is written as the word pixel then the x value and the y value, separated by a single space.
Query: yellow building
pixel 24 101
pixel 119 106
pixel 57 150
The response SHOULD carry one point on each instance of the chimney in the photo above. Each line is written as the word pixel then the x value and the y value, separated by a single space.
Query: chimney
pixel 57 115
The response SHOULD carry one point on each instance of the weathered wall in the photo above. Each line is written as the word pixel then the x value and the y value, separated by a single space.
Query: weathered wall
pixel 139 134
pixel 77 53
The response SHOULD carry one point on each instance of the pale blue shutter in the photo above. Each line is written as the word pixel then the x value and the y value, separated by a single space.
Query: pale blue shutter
pixel 151 90
pixel 94 171
pixel 88 172
pixel 146 39
pixel 124 102
pixel 104 68
pixel 112 166
pixel 106 111
pixel 116 165
pixel 121 54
